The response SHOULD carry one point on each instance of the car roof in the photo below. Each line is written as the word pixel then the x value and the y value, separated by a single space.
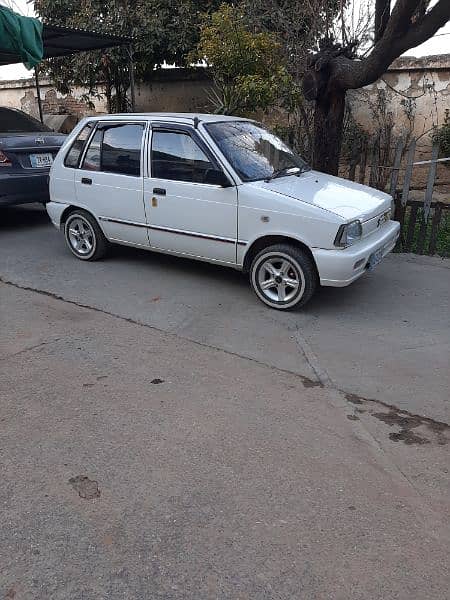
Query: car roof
pixel 171 116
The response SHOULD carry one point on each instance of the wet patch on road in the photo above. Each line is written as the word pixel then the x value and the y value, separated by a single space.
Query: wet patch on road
pixel 310 383
pixel 157 381
pixel 406 424
pixel 413 429
pixel 86 488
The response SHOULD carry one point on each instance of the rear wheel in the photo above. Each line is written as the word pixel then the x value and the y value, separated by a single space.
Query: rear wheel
pixel 84 236
pixel 283 276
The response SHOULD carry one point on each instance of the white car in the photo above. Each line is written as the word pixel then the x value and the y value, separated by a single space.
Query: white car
pixel 220 189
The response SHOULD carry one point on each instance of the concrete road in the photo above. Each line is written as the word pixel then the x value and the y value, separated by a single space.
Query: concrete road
pixel 387 337
pixel 137 464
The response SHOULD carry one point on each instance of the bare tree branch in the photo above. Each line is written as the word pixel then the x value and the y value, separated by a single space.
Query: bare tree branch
pixel 352 74
pixel 382 14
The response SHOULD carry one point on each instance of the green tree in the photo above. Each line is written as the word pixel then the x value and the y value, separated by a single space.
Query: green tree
pixel 248 68
pixel 162 30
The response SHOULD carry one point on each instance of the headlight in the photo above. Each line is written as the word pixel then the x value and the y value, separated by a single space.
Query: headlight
pixel 348 234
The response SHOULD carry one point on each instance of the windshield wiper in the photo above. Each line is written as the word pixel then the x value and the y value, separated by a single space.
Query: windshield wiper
pixel 287 171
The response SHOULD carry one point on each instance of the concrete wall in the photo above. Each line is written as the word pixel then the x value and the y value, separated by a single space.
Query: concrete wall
pixel 181 90
pixel 422 84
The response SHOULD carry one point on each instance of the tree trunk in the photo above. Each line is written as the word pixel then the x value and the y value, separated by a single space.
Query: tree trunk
pixel 328 124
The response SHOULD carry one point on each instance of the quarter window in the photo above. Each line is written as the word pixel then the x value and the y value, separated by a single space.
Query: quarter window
pixel 73 156
pixel 176 156
pixel 91 160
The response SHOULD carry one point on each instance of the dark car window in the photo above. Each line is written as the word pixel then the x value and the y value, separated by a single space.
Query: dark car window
pixel 121 149
pixel 176 156
pixel 12 121
pixel 91 160
pixel 76 150
pixel 115 149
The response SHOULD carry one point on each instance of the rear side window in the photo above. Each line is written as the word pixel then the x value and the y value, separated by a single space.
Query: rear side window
pixel 121 149
pixel 73 156
pixel 115 149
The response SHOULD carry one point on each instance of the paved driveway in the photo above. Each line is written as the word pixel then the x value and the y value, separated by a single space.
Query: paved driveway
pixel 139 464
pixel 387 337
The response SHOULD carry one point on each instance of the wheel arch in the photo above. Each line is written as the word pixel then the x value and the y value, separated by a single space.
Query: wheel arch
pixel 72 208
pixel 270 240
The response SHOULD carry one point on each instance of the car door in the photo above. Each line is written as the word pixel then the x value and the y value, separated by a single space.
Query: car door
pixel 189 210
pixel 109 182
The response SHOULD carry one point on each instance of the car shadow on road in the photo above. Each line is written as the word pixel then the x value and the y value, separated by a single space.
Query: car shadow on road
pixel 325 300
pixel 22 216
pixel 178 264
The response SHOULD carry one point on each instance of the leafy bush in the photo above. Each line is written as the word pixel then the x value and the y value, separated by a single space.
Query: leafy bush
pixel 442 135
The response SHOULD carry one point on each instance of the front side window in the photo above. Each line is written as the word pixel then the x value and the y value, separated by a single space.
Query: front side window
pixel 76 150
pixel 115 149
pixel 175 155
pixel 254 152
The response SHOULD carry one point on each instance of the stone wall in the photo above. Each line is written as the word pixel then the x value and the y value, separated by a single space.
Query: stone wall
pixel 423 84
pixel 177 90
pixel 418 85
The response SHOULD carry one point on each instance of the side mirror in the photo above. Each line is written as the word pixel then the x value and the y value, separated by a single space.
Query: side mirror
pixel 216 177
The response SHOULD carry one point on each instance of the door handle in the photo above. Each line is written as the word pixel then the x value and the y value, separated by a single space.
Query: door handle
pixel 86 180
pixel 159 191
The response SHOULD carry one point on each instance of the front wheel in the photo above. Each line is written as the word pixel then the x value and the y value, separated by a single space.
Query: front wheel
pixel 84 236
pixel 283 276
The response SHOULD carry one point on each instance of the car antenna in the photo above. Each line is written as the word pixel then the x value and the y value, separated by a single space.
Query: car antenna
pixel 196 121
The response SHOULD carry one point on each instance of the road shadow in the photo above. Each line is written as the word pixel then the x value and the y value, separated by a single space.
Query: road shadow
pixel 22 216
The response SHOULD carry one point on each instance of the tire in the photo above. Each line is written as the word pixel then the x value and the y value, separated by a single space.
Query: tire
pixel 280 264
pixel 84 237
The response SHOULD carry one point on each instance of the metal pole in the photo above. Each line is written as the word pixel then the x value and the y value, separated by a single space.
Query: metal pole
pixel 38 90
pixel 131 69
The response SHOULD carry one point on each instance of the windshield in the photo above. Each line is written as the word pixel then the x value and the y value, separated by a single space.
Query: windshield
pixel 15 121
pixel 254 152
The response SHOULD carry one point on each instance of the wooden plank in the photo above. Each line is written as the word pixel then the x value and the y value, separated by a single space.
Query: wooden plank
pixel 435 228
pixel 362 165
pixel 399 215
pixel 430 183
pixel 352 169
pixel 408 172
pixel 396 167
pixel 411 227
pixel 374 162
pixel 422 233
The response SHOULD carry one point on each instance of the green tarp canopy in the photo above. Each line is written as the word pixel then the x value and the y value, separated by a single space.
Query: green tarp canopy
pixel 21 36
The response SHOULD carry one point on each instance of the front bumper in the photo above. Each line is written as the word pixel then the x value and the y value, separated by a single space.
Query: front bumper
pixel 338 268
pixel 21 188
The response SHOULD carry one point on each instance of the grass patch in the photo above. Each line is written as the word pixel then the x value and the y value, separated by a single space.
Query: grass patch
pixel 443 233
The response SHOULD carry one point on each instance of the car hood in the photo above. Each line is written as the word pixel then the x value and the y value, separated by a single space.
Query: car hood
pixel 342 197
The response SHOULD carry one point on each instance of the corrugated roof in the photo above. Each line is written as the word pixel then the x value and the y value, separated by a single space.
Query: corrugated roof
pixel 63 41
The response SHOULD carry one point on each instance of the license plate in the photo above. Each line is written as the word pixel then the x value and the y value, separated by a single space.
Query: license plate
pixel 375 259
pixel 39 161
